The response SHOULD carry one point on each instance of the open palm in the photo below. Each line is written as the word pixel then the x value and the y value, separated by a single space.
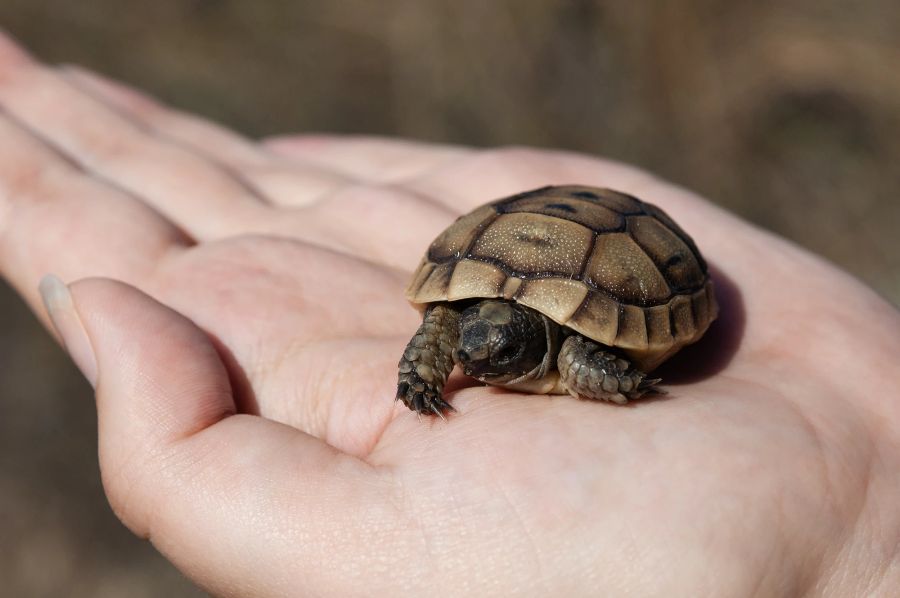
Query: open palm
pixel 247 421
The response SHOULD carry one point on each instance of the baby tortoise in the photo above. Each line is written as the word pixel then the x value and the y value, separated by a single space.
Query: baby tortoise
pixel 566 289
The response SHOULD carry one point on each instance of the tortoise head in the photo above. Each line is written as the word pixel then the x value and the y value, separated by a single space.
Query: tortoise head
pixel 500 341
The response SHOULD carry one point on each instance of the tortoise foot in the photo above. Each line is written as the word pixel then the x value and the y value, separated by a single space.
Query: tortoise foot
pixel 427 361
pixel 586 370
pixel 422 397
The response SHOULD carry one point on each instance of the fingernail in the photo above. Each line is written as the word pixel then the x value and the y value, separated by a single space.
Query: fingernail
pixel 65 318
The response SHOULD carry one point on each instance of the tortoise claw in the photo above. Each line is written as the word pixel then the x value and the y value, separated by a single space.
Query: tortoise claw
pixel 648 387
pixel 647 383
pixel 437 411
pixel 421 397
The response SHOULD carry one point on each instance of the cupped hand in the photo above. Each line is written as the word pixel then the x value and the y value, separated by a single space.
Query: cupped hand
pixel 239 308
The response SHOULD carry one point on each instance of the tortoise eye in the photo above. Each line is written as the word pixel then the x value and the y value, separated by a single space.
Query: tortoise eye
pixel 507 353
pixel 674 260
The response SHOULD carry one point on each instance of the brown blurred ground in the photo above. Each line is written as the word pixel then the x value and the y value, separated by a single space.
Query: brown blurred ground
pixel 787 112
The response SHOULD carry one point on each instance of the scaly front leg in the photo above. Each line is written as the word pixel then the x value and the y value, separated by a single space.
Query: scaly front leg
pixel 586 370
pixel 428 361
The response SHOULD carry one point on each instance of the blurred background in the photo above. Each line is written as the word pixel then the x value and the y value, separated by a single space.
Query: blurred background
pixel 786 112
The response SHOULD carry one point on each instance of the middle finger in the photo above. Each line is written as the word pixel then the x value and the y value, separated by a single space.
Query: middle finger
pixel 203 196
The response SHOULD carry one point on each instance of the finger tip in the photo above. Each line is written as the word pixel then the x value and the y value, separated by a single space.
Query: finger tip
pixel 66 319
pixel 53 290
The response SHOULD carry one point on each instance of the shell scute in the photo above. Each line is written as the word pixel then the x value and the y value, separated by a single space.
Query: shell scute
pixel 533 244
pixel 619 266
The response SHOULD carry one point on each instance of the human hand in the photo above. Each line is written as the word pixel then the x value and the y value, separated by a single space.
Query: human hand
pixel 239 308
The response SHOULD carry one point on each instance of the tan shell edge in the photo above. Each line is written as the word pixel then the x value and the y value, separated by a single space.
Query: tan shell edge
pixel 648 335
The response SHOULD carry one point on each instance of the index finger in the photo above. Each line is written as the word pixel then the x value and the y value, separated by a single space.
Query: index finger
pixel 56 217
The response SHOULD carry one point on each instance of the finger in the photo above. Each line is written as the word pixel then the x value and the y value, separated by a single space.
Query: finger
pixel 296 185
pixel 497 173
pixel 385 225
pixel 486 175
pixel 282 183
pixel 232 500
pixel 200 135
pixel 365 158
pixel 56 217
pixel 203 196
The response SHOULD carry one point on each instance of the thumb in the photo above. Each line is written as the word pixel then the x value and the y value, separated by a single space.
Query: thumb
pixel 158 378
pixel 235 501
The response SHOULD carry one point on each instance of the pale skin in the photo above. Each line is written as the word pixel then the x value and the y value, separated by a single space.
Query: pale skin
pixel 239 307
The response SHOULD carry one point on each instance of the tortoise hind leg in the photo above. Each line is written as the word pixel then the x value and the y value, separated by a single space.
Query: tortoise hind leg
pixel 428 361
pixel 586 370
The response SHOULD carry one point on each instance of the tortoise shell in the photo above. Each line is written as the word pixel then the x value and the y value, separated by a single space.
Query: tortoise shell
pixel 603 263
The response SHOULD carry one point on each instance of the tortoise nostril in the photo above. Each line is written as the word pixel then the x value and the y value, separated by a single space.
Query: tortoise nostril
pixel 462 356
